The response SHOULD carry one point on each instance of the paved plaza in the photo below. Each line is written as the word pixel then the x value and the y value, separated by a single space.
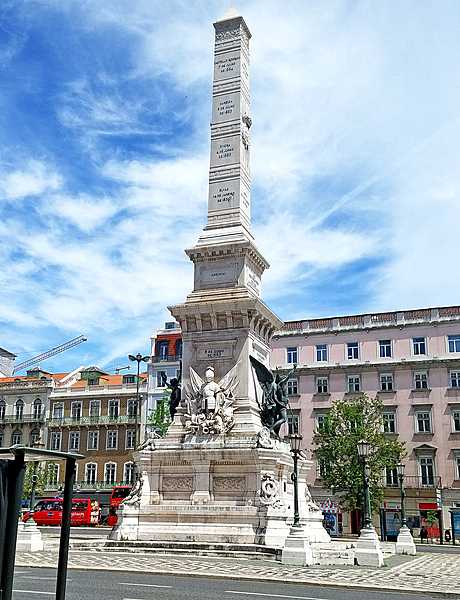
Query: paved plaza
pixel 430 573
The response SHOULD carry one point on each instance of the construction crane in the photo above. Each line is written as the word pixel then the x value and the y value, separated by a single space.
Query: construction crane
pixel 49 353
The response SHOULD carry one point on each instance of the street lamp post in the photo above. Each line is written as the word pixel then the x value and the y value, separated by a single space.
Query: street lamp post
pixel 405 542
pixel 364 450
pixel 34 479
pixel 139 359
pixel 368 551
pixel 295 440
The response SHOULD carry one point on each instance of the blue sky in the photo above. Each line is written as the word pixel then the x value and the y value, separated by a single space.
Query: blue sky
pixel 104 141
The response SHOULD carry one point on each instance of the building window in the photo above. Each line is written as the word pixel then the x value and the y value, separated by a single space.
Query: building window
pixel 114 409
pixel 386 382
pixel 162 377
pixel 322 385
pixel 458 468
pixel 293 424
pixel 92 442
pixel 385 348
pixel 321 468
pixel 74 440
pixel 132 408
pixel 421 380
pixel 419 345
pixel 321 353
pixel 130 439
pixel 291 356
pixel 94 409
pixel 53 474
pixel 129 379
pixel 34 436
pixel 55 440
pixel 37 409
pixel 19 411
pixel 178 348
pixel 58 410
pixel 162 349
pixel 16 437
pixel 128 472
pixel 292 387
pixel 2 437
pixel 456 421
pixel 391 477
pixel 112 439
pixel 352 350
pixel 455 379
pixel 454 343
pixel 93 381
pixel 389 422
pixel 91 473
pixel 110 472
pixel 320 421
pixel 423 421
pixel 426 467
pixel 354 383
pixel 76 411
pixel 2 410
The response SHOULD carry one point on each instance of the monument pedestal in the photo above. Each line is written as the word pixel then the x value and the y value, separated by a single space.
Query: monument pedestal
pixel 405 542
pixel 297 549
pixel 368 552
pixel 29 537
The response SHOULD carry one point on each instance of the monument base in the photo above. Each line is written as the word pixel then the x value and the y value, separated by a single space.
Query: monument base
pixel 368 552
pixel 297 550
pixel 405 542
pixel 29 538
pixel 217 491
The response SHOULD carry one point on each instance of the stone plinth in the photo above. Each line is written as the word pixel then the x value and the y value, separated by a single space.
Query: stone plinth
pixel 368 552
pixel 297 549
pixel 29 537
pixel 405 542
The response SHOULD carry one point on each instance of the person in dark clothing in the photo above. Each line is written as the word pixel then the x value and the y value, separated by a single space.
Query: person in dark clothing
pixel 423 534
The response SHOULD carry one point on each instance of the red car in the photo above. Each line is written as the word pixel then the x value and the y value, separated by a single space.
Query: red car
pixel 49 512
pixel 119 493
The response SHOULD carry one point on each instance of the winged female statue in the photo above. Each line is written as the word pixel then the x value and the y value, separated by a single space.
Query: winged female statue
pixel 273 411
pixel 210 403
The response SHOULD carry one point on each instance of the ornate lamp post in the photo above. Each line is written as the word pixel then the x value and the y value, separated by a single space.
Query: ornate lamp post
pixel 364 450
pixel 295 440
pixel 368 551
pixel 405 542
pixel 139 359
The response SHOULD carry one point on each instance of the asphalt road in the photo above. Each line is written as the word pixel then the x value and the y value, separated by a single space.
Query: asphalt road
pixel 115 585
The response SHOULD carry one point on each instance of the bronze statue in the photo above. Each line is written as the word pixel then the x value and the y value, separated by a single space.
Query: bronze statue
pixel 273 411
pixel 175 396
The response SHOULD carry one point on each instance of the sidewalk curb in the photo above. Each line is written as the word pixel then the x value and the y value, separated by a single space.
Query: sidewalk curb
pixel 243 577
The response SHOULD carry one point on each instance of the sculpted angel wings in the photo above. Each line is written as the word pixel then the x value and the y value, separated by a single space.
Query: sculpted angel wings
pixel 210 403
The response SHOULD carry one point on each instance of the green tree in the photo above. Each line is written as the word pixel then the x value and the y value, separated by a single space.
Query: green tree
pixel 160 418
pixel 43 472
pixel 348 422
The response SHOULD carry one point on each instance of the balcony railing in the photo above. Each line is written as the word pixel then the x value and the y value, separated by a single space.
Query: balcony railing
pixel 100 420
pixel 83 485
pixel 167 358
pixel 33 418
pixel 415 482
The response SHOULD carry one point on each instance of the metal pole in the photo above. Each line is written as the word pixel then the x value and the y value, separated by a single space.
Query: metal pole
pixel 34 480
pixel 452 523
pixel 15 484
pixel 65 529
pixel 367 497
pixel 441 527
pixel 403 498
pixel 295 479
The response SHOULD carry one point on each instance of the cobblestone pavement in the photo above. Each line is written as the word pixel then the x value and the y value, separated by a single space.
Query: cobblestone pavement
pixel 431 573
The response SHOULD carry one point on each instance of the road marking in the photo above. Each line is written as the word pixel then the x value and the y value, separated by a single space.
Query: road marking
pixel 145 585
pixel 273 595
pixel 44 578
pixel 33 592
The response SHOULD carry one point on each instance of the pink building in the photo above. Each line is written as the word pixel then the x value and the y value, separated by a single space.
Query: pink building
pixel 411 359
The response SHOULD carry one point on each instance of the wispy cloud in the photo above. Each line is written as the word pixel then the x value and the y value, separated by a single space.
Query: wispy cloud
pixel 34 179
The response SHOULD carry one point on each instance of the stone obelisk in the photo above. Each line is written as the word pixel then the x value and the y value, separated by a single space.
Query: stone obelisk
pixel 223 319
pixel 217 475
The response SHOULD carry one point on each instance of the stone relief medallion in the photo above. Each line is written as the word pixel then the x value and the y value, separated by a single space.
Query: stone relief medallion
pixel 269 491
pixel 209 404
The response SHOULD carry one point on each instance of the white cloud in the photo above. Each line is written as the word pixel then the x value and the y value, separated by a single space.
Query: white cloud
pixel 34 179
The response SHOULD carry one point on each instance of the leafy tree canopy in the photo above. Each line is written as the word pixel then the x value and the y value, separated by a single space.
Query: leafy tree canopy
pixel 348 422
pixel 43 472
pixel 160 418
